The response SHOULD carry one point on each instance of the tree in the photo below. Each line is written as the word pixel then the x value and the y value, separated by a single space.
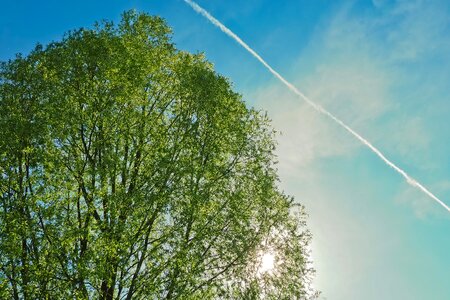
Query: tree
pixel 131 170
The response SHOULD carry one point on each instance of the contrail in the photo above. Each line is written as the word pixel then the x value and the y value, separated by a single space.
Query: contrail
pixel 316 106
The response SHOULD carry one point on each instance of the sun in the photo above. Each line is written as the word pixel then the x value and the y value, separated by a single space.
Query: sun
pixel 267 262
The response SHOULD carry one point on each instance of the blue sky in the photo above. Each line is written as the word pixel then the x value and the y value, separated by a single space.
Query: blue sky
pixel 381 66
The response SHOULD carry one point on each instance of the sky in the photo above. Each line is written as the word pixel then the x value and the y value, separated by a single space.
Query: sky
pixel 382 66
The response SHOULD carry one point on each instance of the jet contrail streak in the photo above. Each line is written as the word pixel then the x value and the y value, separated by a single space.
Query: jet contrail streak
pixel 316 106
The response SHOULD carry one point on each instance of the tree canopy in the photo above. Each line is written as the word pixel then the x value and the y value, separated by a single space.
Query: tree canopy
pixel 131 170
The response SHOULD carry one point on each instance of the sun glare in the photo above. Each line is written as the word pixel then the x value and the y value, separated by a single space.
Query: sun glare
pixel 267 262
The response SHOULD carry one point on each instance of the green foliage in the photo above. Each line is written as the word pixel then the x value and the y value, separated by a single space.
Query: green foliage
pixel 131 170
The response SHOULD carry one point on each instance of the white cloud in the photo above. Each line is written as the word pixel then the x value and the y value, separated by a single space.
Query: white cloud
pixel 354 75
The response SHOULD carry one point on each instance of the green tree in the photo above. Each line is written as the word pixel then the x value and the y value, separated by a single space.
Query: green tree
pixel 131 170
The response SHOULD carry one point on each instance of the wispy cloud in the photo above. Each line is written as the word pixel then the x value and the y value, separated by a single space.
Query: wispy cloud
pixel 358 78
